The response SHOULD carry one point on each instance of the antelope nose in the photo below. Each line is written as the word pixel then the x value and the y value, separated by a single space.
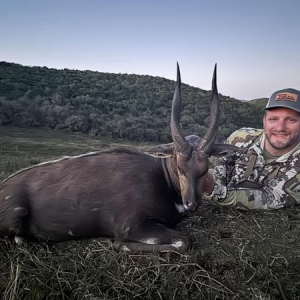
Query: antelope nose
pixel 191 206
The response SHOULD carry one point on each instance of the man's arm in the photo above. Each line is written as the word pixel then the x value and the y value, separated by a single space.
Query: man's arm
pixel 283 191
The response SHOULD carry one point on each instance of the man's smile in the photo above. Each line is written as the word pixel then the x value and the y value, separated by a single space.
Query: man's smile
pixel 280 135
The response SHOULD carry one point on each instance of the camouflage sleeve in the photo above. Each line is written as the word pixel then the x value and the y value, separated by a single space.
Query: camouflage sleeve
pixel 282 191
pixel 239 138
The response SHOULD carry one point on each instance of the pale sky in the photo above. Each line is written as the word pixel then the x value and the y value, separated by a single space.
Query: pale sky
pixel 255 43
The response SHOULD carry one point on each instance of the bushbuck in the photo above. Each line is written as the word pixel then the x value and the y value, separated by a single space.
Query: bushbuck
pixel 133 197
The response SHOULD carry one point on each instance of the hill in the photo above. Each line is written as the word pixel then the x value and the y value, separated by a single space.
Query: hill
pixel 261 102
pixel 118 106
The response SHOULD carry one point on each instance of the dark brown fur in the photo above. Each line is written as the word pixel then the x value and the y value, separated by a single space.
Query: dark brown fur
pixel 120 194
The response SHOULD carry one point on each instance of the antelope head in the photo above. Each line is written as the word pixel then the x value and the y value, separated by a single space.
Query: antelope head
pixel 189 155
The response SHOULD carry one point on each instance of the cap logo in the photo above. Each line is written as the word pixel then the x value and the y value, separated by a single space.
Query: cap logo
pixel 287 96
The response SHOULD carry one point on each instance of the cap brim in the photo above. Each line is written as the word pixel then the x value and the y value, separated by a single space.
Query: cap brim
pixel 281 106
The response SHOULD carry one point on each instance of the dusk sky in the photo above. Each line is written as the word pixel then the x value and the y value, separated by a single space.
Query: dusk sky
pixel 255 43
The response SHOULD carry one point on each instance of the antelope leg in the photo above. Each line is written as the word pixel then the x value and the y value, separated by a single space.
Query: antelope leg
pixel 154 238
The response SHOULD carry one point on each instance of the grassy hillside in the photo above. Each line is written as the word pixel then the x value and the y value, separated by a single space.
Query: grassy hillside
pixel 118 106
pixel 236 255
pixel 259 103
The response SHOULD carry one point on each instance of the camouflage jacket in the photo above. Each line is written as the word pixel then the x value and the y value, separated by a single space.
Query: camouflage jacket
pixel 246 181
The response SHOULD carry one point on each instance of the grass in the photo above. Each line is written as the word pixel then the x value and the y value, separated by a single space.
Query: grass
pixel 251 255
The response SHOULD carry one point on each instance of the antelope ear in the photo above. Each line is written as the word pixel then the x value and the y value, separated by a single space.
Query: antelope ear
pixel 223 149
pixel 162 151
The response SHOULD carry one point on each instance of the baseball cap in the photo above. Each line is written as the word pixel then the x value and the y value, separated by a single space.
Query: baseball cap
pixel 288 98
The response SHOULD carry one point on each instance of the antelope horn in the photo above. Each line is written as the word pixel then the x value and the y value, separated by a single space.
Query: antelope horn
pixel 180 142
pixel 208 140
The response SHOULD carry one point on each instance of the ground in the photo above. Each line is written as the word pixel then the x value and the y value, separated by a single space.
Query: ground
pixel 236 255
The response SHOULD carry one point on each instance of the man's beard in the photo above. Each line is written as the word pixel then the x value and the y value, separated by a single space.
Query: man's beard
pixel 282 144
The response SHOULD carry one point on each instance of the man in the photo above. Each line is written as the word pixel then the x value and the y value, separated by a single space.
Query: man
pixel 265 174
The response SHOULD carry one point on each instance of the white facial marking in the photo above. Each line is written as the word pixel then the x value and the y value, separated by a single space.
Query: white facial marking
pixel 150 241
pixel 180 208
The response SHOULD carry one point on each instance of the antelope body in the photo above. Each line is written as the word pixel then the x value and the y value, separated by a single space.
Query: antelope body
pixel 132 197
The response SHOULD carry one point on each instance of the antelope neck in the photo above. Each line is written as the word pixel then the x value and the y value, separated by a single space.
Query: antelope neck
pixel 171 181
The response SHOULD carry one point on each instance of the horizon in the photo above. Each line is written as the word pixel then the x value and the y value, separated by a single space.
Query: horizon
pixel 255 44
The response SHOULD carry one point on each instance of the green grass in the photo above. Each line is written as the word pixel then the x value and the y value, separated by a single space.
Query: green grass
pixel 22 147
pixel 254 255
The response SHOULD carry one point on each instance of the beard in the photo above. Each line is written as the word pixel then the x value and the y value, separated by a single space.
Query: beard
pixel 286 141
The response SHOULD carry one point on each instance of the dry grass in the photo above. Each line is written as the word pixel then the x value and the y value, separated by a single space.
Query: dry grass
pixel 236 256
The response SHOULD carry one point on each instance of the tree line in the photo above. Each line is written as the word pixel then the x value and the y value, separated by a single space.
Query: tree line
pixel 117 106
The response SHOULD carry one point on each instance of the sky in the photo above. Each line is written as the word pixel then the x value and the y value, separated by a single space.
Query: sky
pixel 255 43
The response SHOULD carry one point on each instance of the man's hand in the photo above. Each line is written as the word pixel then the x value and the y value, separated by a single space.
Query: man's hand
pixel 208 184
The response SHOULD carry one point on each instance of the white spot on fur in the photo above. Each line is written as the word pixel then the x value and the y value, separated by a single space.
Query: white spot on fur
pixel 19 240
pixel 124 248
pixel 150 241
pixel 21 211
pixel 7 197
pixel 70 232
pixel 178 244
pixel 180 208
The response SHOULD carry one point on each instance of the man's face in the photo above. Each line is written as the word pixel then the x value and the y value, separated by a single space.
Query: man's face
pixel 282 130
